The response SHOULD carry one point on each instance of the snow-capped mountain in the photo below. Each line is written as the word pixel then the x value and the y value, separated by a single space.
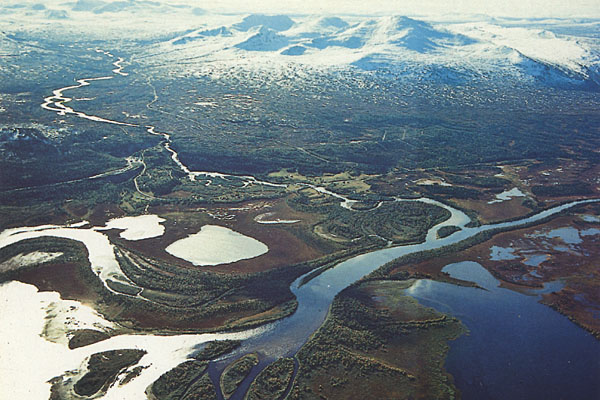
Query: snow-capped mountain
pixel 399 43
pixel 553 52
pixel 265 39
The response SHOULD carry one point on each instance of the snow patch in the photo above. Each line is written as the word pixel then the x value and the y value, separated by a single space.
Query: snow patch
pixel 507 195
pixel 535 44
pixel 137 228
pixel 430 182
pixel 215 245
pixel 24 343
pixel 264 40
pixel 266 219
pixel 25 260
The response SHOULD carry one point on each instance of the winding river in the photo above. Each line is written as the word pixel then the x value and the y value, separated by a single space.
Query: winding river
pixel 274 340
pixel 278 339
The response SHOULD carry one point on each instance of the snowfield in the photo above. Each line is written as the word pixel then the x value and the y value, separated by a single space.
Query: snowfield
pixel 551 50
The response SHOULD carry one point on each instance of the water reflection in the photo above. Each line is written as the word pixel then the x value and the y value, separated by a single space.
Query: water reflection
pixel 516 348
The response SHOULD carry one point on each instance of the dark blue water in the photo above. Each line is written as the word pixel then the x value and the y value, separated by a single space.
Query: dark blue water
pixel 517 348
pixel 285 337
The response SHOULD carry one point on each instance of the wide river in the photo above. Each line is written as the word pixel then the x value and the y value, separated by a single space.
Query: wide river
pixel 516 348
pixel 282 338
pixel 314 297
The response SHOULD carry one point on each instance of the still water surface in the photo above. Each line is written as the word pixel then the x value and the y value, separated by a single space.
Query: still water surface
pixel 517 348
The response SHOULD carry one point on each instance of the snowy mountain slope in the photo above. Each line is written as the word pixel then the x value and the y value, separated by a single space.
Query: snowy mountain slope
pixel 274 22
pixel 198 35
pixel 265 39
pixel 294 50
pixel 421 36
pixel 56 14
pixel 551 51
pixel 87 5
pixel 535 44
pixel 398 43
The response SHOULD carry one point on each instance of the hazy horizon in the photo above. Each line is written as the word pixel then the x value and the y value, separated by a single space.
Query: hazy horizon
pixel 430 8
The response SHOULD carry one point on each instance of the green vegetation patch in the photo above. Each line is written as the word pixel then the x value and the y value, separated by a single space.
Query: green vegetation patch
pixel 85 337
pixel 72 252
pixel 34 156
pixel 188 380
pixel 398 221
pixel 217 348
pixel 202 389
pixel 173 384
pixel 123 287
pixel 457 192
pixel 103 369
pixel 135 372
pixel 273 381
pixel 235 373
pixel 563 189
pixel 448 230
pixel 378 343
pixel 189 295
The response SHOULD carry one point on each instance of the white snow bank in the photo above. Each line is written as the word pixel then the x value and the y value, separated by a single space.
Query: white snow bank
pixel 537 44
pixel 215 245
pixel 28 360
pixel 507 195
pixel 138 228
pixel 24 260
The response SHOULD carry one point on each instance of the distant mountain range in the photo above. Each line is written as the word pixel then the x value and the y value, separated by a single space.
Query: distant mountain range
pixel 552 52
pixel 400 44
